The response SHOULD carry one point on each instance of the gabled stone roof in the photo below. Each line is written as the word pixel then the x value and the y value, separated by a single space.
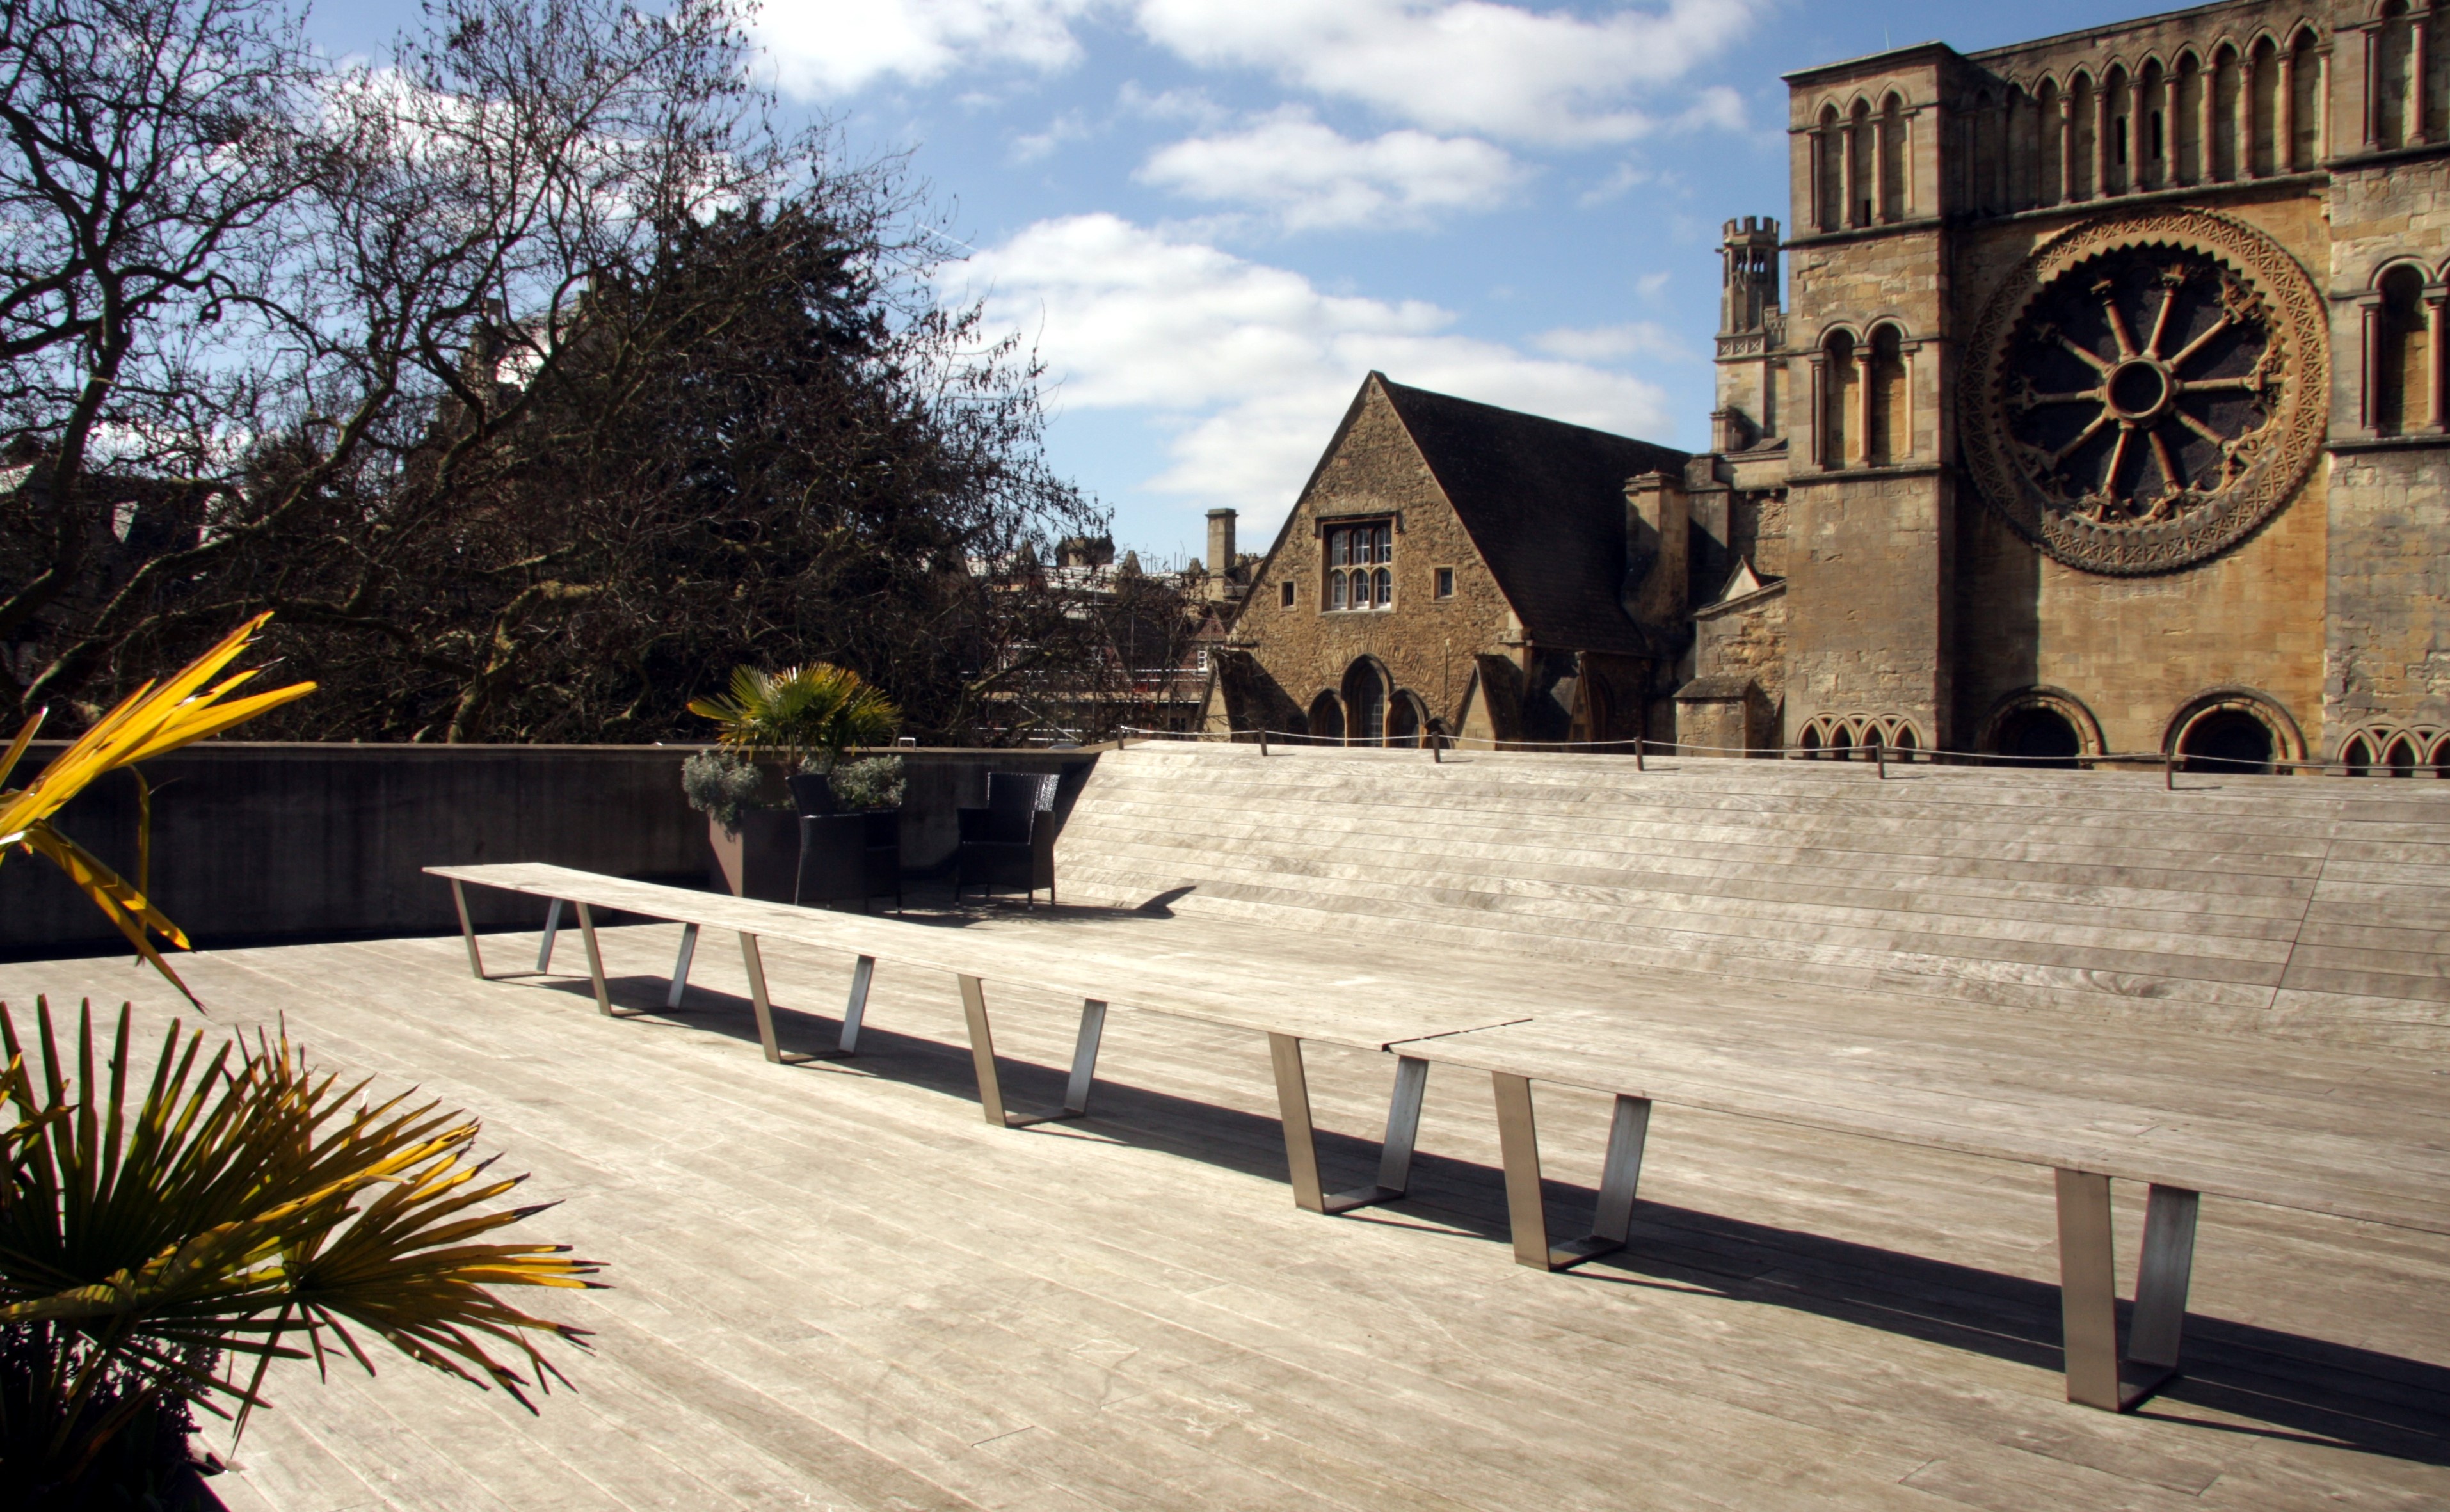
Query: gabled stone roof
pixel 1545 503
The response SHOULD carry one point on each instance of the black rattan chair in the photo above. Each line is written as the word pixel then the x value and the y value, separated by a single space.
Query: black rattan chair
pixel 1011 841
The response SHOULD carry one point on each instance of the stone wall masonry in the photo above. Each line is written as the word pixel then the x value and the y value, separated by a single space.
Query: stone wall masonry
pixel 1426 642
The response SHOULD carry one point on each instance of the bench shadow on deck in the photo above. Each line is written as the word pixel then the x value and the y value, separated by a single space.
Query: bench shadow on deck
pixel 2294 1385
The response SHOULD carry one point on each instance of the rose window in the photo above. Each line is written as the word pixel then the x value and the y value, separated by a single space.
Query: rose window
pixel 2148 391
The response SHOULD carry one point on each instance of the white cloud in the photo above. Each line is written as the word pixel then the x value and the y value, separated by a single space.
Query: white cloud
pixel 1310 177
pixel 1461 65
pixel 1251 365
pixel 1611 343
pixel 1068 126
pixel 834 47
pixel 1514 71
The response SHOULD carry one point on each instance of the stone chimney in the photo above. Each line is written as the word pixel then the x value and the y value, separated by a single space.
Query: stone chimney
pixel 1658 543
pixel 1220 553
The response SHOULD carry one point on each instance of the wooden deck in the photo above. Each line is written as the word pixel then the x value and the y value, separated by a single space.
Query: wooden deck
pixel 834 1286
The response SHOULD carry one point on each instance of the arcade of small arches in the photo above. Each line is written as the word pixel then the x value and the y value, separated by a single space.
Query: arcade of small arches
pixel 1859 738
pixel 2235 109
pixel 2390 750
pixel 1369 709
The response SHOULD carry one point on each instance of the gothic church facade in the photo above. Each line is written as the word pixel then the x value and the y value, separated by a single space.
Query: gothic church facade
pixel 2102 410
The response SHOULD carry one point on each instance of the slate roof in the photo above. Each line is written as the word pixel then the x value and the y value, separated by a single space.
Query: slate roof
pixel 1544 502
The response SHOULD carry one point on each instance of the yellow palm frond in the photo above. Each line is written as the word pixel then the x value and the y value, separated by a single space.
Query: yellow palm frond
pixel 158 718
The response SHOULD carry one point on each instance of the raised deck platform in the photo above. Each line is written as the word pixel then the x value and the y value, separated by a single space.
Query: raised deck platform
pixel 835 1286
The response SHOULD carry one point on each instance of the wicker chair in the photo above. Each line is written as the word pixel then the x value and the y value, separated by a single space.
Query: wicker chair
pixel 1011 841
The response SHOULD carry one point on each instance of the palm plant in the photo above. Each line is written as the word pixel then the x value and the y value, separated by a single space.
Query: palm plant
pixel 805 717
pixel 152 1255
pixel 155 720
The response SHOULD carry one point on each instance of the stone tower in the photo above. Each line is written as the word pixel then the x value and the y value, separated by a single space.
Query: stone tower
pixel 1750 328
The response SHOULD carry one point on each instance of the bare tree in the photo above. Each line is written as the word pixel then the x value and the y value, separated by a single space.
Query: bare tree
pixel 534 379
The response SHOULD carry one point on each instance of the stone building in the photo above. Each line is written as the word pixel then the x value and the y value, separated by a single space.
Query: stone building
pixel 2102 410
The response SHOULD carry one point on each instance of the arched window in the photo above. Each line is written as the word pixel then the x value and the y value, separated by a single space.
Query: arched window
pixel 1327 720
pixel 2356 757
pixel 2305 102
pixel 2401 377
pixel 1892 159
pixel 1902 742
pixel 2152 127
pixel 1808 744
pixel 2185 111
pixel 1841 743
pixel 1828 172
pixel 2398 101
pixel 2048 163
pixel 1407 721
pixel 2118 154
pixel 2439 758
pixel 1838 381
pixel 2263 126
pixel 2227 740
pixel 2224 157
pixel 2086 128
pixel 1364 704
pixel 1859 165
pixel 2402 758
pixel 1892 417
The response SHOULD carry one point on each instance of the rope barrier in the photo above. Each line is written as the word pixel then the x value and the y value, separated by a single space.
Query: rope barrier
pixel 1878 753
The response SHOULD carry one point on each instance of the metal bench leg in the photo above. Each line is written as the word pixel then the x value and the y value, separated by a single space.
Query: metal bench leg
pixel 680 964
pixel 1084 1061
pixel 1527 1211
pixel 974 1008
pixel 2096 1375
pixel 1395 1154
pixel 594 963
pixel 467 932
pixel 551 929
pixel 1301 1139
pixel 855 1011
pixel 763 1005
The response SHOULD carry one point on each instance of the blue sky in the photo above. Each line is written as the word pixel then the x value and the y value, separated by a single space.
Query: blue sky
pixel 1213 217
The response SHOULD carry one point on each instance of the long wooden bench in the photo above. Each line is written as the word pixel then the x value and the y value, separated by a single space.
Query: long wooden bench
pixel 2351 1132
pixel 1288 1001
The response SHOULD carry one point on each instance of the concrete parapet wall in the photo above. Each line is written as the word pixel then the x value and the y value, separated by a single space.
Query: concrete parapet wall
pixel 263 841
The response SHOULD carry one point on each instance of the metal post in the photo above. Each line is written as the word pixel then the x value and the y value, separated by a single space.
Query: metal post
pixel 1263 741
pixel 1403 1127
pixel 680 966
pixel 1637 755
pixel 552 928
pixel 594 963
pixel 1880 754
pixel 1084 1057
pixel 2169 784
pixel 467 932
pixel 2088 1290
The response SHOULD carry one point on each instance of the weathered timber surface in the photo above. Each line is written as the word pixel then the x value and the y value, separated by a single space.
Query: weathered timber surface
pixel 832 1286
pixel 2356 1133
pixel 2295 908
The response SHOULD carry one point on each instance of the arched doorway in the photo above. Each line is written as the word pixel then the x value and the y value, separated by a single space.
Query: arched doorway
pixel 2037 735
pixel 1406 720
pixel 2227 740
pixel 1327 719
pixel 1364 704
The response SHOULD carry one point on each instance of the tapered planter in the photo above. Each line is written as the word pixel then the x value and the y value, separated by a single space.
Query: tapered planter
pixel 759 858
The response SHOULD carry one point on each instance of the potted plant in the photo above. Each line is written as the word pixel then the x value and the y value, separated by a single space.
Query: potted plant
pixel 780 733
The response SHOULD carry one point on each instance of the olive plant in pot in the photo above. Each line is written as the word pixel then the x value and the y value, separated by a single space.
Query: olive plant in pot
pixel 782 738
